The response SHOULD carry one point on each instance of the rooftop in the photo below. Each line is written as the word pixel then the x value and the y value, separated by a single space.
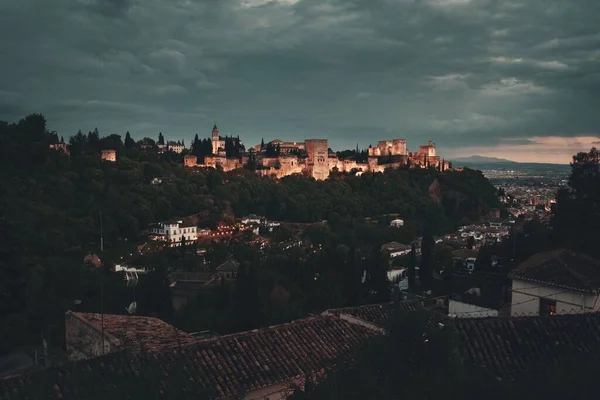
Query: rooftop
pixel 182 276
pixel 508 346
pixel 228 366
pixel 561 268
pixel 136 333
pixel 229 265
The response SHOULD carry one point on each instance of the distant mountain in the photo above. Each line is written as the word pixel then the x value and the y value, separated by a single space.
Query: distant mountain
pixel 482 160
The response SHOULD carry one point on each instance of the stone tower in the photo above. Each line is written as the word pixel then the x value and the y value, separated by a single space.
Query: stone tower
pixel 217 143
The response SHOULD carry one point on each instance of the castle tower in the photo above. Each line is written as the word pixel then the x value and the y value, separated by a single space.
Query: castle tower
pixel 216 141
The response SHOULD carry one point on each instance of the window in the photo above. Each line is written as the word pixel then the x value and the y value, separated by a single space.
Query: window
pixel 547 307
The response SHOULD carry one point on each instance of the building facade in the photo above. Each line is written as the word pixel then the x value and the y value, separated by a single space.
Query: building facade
pixel 174 232
pixel 312 157
pixel 556 282
pixel 109 155
pixel 175 147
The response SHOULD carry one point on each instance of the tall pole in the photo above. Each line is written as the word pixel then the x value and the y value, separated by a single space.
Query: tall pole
pixel 102 283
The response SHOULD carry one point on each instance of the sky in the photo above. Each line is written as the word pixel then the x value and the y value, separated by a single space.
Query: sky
pixel 516 79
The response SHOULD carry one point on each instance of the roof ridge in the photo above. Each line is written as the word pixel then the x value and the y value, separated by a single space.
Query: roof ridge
pixel 296 322
pixel 583 279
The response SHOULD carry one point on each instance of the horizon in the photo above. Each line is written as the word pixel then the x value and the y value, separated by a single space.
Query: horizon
pixel 457 72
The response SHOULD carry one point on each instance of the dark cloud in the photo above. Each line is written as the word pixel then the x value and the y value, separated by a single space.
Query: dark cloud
pixel 459 72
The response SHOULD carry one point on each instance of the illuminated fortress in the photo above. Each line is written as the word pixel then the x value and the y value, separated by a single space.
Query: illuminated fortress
pixel 312 157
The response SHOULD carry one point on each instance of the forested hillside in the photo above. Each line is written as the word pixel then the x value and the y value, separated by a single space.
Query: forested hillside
pixel 51 204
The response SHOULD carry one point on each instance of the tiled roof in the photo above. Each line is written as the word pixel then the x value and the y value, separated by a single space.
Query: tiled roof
pixel 182 276
pixel 228 366
pixel 376 314
pixel 136 333
pixel 561 268
pixel 508 346
pixel 229 265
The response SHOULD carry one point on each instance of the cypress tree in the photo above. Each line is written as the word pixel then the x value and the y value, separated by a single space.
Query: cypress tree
pixel 427 260
pixel 412 267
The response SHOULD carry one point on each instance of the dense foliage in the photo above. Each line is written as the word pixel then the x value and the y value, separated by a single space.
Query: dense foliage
pixel 576 215
pixel 54 206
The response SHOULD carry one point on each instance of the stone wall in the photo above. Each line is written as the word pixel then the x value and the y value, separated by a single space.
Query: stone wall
pixel 317 162
pixel 190 161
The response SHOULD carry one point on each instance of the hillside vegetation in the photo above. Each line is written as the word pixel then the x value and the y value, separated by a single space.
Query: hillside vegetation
pixel 51 205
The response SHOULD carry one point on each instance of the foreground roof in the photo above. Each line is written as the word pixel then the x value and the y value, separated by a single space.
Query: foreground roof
pixel 136 333
pixel 506 347
pixel 227 367
pixel 376 314
pixel 561 268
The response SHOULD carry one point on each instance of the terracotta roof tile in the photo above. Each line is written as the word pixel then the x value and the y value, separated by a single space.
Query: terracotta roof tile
pixel 561 268
pixel 137 333
pixel 506 347
pixel 228 366
pixel 376 314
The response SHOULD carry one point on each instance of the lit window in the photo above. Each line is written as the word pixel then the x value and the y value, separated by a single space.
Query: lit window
pixel 547 307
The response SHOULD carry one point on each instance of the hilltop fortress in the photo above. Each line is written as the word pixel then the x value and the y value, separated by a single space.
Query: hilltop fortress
pixel 313 157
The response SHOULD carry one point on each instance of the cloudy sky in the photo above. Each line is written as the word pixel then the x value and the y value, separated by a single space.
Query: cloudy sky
pixel 518 79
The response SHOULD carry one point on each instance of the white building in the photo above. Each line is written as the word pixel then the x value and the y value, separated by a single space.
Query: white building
pixel 397 223
pixel 458 308
pixel 174 232
pixel 396 249
pixel 175 147
pixel 251 219
pixel 556 282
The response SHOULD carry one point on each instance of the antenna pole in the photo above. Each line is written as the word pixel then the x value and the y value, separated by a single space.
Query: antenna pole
pixel 101 234
pixel 102 284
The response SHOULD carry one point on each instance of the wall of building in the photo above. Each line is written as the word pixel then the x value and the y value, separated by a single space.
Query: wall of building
pixel 109 155
pixel 190 161
pixel 399 147
pixel 175 148
pixel 318 158
pixel 460 309
pixel 83 341
pixel 526 295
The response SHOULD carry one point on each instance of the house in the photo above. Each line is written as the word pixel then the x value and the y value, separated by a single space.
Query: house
pixel 190 161
pixel 556 282
pixel 109 155
pixel 186 286
pixel 396 249
pixel 175 147
pixel 60 146
pixel 507 347
pixel 397 223
pixel 257 364
pixel 85 336
pixel 227 270
pixel 251 219
pixel 174 232
pixel 263 363
pixel 478 295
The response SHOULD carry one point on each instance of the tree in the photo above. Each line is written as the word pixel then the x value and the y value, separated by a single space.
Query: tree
pixel 161 139
pixel 576 214
pixel 470 242
pixel 427 261
pixel 377 282
pixel 412 267
pixel 129 142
